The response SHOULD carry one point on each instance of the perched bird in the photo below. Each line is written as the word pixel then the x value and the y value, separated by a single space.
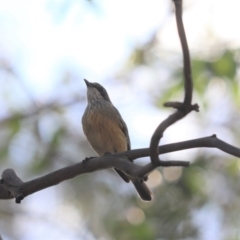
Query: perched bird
pixel 107 132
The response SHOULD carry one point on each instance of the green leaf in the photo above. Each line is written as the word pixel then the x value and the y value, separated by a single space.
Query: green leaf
pixel 224 66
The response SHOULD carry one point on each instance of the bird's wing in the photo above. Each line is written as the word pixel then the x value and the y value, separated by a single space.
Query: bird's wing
pixel 123 127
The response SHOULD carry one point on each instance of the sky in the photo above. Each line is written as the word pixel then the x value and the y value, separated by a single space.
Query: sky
pixel 43 38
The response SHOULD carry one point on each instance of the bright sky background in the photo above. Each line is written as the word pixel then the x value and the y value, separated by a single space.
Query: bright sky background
pixel 43 38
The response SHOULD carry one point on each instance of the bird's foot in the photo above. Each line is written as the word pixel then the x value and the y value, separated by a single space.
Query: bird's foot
pixel 84 162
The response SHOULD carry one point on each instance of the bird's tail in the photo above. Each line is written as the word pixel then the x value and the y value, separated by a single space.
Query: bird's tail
pixel 143 190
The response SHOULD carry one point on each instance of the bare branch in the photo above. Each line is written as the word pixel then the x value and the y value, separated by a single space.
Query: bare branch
pixel 182 108
pixel 158 134
pixel 209 142
pixel 13 187
pixel 186 56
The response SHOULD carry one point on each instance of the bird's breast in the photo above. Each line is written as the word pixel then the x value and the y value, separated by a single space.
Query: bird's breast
pixel 103 132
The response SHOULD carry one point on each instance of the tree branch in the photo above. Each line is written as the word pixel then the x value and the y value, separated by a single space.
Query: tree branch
pixel 188 84
pixel 182 108
pixel 13 187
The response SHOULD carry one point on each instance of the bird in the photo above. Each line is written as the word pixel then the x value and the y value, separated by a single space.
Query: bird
pixel 107 132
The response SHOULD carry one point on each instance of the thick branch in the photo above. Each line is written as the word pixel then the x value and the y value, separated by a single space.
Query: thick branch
pixel 209 142
pixel 13 187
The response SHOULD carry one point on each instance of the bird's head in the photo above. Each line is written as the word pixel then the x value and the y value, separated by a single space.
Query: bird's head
pixel 96 92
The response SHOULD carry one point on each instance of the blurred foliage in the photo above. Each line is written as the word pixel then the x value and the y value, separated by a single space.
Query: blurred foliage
pixel 37 140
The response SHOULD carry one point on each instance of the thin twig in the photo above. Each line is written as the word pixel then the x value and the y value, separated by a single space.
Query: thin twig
pixel 182 108
pixel 186 56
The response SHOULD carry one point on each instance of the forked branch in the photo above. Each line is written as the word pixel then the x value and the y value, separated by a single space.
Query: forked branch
pixel 13 187
pixel 182 108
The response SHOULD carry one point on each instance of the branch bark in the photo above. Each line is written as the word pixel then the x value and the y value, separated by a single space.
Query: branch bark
pixel 182 108
pixel 13 187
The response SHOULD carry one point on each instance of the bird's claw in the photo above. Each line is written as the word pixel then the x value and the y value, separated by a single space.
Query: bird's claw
pixel 84 162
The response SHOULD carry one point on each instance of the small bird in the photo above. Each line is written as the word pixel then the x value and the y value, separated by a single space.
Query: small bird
pixel 107 132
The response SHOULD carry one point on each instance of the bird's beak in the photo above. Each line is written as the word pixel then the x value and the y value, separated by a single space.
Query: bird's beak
pixel 87 83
